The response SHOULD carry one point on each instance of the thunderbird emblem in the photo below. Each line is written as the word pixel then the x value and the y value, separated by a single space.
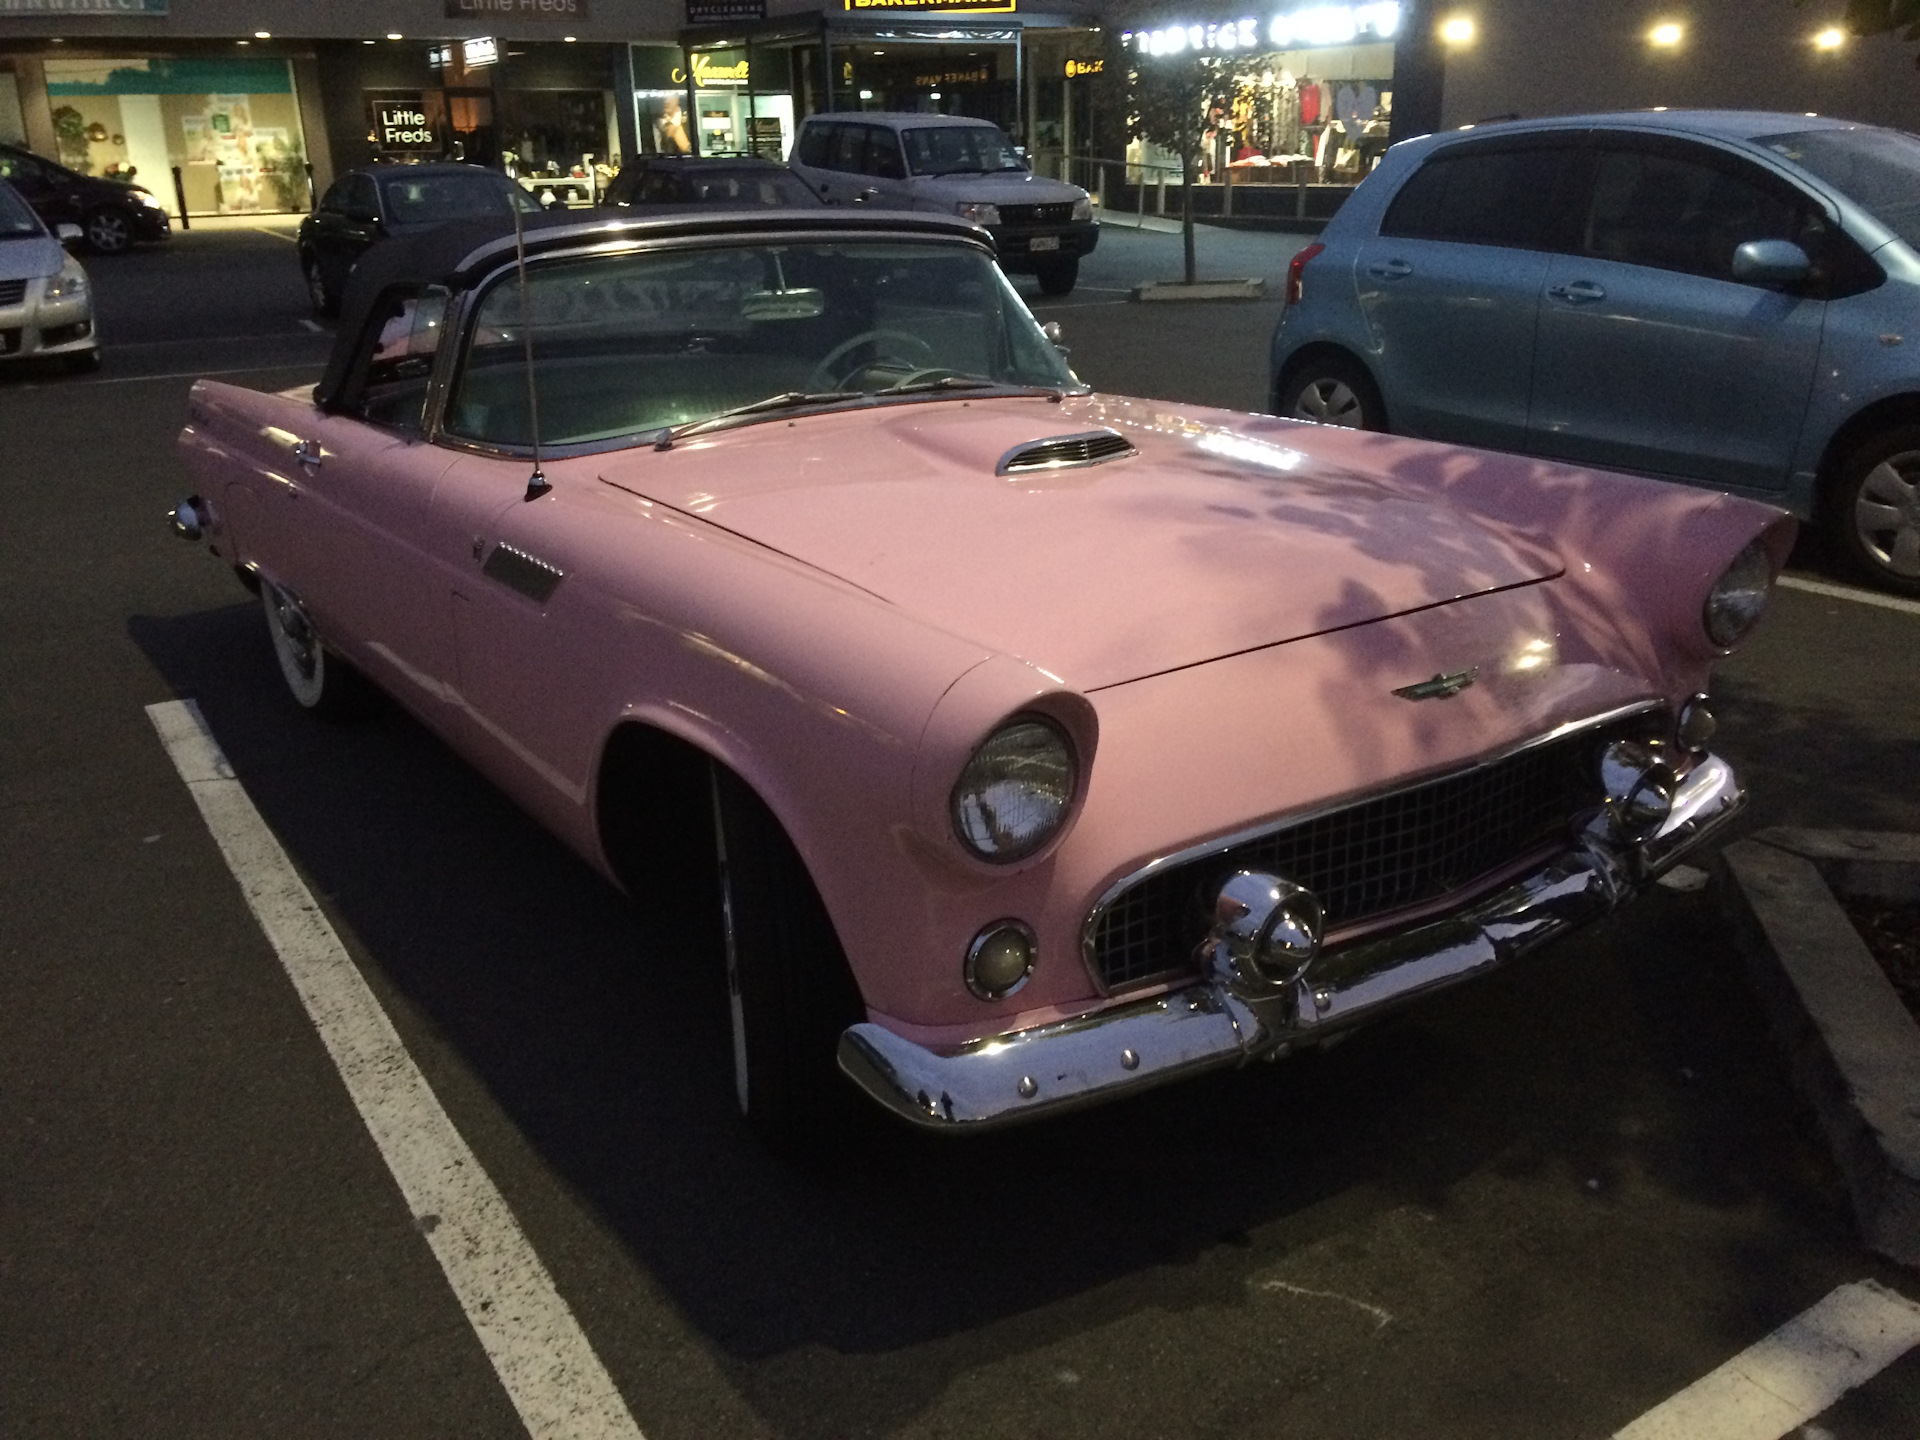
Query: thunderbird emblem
pixel 1440 687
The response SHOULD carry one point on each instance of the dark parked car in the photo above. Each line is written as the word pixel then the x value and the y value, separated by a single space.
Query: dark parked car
pixel 113 214
pixel 685 180
pixel 368 205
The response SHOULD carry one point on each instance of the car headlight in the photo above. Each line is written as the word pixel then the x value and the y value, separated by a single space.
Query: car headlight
pixel 1083 208
pixel 69 284
pixel 147 198
pixel 1739 597
pixel 1015 792
pixel 978 213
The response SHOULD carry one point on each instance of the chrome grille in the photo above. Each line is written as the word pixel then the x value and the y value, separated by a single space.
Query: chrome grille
pixel 1065 450
pixel 12 292
pixel 1058 214
pixel 1370 859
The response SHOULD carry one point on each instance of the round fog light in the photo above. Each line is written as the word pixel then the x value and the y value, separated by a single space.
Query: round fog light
pixel 1000 959
pixel 1696 725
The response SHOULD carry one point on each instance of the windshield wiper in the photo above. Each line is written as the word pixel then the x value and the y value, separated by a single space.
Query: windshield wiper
pixel 972 382
pixel 786 400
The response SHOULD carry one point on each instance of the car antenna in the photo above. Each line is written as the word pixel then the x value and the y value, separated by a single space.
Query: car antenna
pixel 537 483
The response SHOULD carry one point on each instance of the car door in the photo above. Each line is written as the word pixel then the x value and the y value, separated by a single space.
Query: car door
pixel 1651 356
pixel 352 532
pixel 42 186
pixel 813 155
pixel 885 169
pixel 1450 287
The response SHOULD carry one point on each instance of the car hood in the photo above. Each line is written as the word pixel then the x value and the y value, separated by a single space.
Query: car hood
pixel 1205 542
pixel 1013 188
pixel 30 257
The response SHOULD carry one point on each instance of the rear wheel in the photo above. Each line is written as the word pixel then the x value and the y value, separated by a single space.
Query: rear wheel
pixel 1331 390
pixel 325 302
pixel 108 231
pixel 1871 512
pixel 1058 277
pixel 788 984
pixel 318 679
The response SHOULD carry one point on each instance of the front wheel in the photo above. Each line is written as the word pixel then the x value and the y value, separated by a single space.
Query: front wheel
pixel 318 679
pixel 1058 277
pixel 788 984
pixel 1871 513
pixel 1331 390
pixel 109 232
pixel 325 302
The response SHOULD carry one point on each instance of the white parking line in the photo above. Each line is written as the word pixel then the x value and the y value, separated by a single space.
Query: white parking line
pixel 1780 1383
pixel 1847 592
pixel 543 1359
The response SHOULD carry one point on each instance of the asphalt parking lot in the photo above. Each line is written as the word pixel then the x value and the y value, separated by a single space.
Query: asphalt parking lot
pixel 1538 1207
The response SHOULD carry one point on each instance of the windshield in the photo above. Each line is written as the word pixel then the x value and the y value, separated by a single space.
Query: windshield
pixel 412 199
pixel 748 187
pixel 630 344
pixel 959 150
pixel 16 217
pixel 1879 170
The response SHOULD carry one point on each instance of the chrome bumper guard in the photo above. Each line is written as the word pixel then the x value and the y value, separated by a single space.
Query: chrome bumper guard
pixel 1027 1074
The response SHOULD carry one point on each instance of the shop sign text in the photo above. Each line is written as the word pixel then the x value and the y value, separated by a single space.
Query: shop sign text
pixel 83 7
pixel 403 125
pixel 482 51
pixel 1320 25
pixel 941 7
pixel 1077 68
pixel 516 9
pixel 725 12
pixel 710 72
pixel 972 75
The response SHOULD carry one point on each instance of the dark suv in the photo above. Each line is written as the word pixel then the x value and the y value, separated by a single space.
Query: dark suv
pixel 111 213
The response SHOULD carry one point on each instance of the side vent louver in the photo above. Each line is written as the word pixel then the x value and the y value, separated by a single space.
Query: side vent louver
pixel 1063 452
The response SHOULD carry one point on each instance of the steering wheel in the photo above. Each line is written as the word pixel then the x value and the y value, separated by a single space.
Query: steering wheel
pixel 827 375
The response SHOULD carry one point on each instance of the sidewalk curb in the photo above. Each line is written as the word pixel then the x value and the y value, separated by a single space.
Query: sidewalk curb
pixel 1201 290
pixel 1853 1051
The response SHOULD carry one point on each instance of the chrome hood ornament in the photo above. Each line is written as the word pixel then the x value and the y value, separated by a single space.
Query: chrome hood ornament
pixel 1440 687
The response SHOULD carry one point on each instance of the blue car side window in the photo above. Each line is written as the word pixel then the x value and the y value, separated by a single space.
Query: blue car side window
pixel 1483 195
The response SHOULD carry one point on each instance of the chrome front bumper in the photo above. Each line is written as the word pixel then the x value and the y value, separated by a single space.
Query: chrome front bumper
pixel 1027 1074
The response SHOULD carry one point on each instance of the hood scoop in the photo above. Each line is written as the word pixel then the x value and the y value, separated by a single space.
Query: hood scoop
pixel 1065 452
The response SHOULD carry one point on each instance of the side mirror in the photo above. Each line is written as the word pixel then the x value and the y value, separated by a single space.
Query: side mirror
pixel 1771 262
pixel 1056 337
pixel 67 233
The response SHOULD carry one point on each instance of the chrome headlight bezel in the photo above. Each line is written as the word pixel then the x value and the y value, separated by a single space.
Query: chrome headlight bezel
pixel 1025 741
pixel 70 284
pixel 1738 598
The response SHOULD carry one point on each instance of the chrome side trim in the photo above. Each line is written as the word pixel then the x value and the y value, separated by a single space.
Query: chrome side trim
pixel 1302 817
pixel 1027 1074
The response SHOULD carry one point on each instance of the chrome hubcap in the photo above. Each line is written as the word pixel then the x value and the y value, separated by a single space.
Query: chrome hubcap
pixel 1886 514
pixel 1329 402
pixel 298 634
pixel 108 232
pixel 316 286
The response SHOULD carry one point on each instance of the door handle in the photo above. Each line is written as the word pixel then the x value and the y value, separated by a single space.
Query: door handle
pixel 1390 269
pixel 866 196
pixel 308 453
pixel 1580 292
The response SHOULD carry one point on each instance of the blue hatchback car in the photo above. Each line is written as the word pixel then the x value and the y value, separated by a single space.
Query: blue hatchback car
pixel 1724 298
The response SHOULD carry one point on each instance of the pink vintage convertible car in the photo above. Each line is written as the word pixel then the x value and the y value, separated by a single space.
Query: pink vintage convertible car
pixel 1051 744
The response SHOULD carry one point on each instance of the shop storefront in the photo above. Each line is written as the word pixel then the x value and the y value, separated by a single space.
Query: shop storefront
pixel 741 89
pixel 1299 97
pixel 230 124
pixel 531 108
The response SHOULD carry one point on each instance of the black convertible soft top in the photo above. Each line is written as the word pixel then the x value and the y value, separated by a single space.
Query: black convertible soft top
pixel 462 252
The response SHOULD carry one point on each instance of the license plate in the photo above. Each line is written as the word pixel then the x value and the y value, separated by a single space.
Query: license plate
pixel 1044 242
